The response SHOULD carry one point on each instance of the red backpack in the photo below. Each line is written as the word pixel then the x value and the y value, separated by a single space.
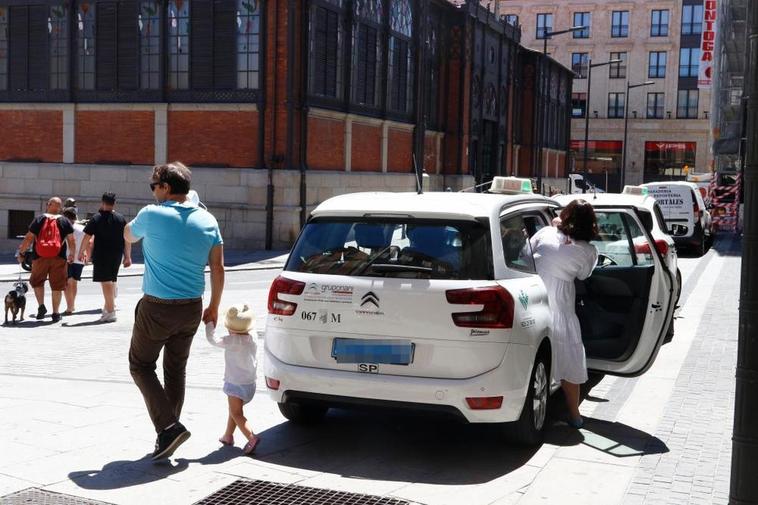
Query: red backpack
pixel 48 243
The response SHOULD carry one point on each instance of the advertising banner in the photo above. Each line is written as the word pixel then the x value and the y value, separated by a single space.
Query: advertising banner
pixel 707 45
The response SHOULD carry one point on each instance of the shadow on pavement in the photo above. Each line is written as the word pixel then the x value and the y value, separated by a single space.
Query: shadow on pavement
pixel 96 322
pixel 620 440
pixel 125 473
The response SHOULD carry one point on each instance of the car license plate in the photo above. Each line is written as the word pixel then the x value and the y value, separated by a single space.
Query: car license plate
pixel 363 351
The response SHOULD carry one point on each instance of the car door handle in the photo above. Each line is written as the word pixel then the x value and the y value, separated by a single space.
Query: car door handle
pixel 656 305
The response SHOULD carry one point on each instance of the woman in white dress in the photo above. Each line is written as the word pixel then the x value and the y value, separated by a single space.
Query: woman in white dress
pixel 563 253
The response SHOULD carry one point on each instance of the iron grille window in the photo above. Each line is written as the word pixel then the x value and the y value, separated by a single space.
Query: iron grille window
pixel 29 49
pixel 178 44
pixel 511 19
pixel 248 43
pixel 544 25
pixel 149 23
pixel 3 48
pixel 655 105
pixel 400 71
pixel 579 64
pixel 620 24
pixel 692 19
pixel 686 107
pixel 367 49
pixel 578 104
pixel 615 105
pixel 85 35
pixel 582 19
pixel 326 49
pixel 617 70
pixel 656 65
pixel 659 23
pixel 434 68
pixel 689 61
pixel 57 26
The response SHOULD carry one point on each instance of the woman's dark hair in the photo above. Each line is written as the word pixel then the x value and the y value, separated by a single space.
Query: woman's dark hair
pixel 578 221
pixel 176 175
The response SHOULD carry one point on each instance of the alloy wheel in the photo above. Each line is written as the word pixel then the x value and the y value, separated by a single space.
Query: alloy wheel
pixel 539 396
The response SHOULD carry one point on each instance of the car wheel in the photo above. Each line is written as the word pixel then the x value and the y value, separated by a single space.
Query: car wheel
pixel 529 429
pixel 701 246
pixel 300 413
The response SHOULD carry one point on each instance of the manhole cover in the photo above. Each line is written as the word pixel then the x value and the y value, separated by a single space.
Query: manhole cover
pixel 257 492
pixel 34 496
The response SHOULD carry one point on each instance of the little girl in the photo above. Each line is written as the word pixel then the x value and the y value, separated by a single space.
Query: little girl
pixel 239 373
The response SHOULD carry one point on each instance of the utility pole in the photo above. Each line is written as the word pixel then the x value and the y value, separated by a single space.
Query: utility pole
pixel 744 485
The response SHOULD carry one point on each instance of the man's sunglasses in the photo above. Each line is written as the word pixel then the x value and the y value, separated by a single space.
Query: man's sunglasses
pixel 154 185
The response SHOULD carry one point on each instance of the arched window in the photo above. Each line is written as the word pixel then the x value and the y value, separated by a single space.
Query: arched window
pixel 248 43
pixel 400 57
pixel 367 51
pixel 178 44
pixel 149 23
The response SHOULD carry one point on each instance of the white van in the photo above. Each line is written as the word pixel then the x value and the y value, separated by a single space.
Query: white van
pixel 683 208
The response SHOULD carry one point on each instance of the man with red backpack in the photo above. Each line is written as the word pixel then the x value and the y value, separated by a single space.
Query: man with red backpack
pixel 51 233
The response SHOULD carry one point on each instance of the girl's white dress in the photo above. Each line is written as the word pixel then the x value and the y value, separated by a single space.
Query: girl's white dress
pixel 559 261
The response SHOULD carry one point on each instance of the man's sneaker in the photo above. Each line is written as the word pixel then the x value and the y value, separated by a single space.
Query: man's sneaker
pixel 41 311
pixel 107 317
pixel 169 439
pixel 56 317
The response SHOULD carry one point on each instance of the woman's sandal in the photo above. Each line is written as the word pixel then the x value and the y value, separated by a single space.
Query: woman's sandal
pixel 226 441
pixel 251 445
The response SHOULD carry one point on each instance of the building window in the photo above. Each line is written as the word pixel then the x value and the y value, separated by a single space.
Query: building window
pixel 28 48
pixel 689 61
pixel 400 75
pixel 248 43
pixel 434 55
pixel 579 64
pixel 326 49
pixel 178 44
pixel 659 23
pixel 692 19
pixel 603 156
pixel 544 25
pixel 367 50
pixel 149 23
pixel 582 19
pixel 617 70
pixel 578 104
pixel 3 48
pixel 656 65
pixel 655 105
pixel 18 223
pixel 620 24
pixel 686 107
pixel 57 27
pixel 666 160
pixel 85 55
pixel 615 105
pixel 511 19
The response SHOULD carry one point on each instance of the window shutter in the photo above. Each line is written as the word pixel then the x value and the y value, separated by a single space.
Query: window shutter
pixel 105 46
pixel 371 47
pixel 39 52
pixel 128 46
pixel 331 53
pixel 224 44
pixel 18 34
pixel 321 37
pixel 201 42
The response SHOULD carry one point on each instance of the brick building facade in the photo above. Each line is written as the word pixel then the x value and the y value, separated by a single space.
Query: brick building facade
pixel 275 105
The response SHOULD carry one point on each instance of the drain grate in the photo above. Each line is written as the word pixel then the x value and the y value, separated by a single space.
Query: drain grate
pixel 35 496
pixel 258 492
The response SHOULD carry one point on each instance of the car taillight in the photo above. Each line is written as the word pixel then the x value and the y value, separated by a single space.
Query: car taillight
pixel 644 248
pixel 695 210
pixel 484 402
pixel 272 383
pixel 497 310
pixel 283 286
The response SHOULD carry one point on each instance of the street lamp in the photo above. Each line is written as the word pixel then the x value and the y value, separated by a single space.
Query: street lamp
pixel 626 125
pixel 590 66
pixel 538 124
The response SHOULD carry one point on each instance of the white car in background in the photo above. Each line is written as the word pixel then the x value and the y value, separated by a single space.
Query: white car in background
pixel 431 301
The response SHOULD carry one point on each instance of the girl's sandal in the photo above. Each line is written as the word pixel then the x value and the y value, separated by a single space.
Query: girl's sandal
pixel 226 441
pixel 251 445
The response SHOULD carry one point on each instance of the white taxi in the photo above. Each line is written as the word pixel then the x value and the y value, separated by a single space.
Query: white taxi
pixel 431 301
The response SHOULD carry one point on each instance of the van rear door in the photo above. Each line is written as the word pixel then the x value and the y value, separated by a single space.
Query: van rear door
pixel 676 202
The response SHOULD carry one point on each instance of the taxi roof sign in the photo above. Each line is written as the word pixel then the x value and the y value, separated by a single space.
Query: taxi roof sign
pixel 511 185
pixel 635 190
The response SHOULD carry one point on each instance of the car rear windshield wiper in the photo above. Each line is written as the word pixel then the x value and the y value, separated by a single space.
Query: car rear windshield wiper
pixel 396 267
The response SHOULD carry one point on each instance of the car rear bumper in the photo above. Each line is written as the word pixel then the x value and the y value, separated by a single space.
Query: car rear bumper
pixel 338 387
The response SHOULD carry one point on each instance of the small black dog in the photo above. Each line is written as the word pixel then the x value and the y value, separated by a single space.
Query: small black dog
pixel 15 301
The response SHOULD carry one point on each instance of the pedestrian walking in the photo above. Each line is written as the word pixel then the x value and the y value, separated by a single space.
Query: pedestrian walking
pixel 108 252
pixel 239 371
pixel 54 246
pixel 77 266
pixel 178 240
pixel 562 254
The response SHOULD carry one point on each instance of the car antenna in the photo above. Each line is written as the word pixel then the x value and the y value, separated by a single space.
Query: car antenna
pixel 419 186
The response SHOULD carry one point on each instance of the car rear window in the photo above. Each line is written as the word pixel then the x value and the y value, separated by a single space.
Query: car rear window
pixel 401 248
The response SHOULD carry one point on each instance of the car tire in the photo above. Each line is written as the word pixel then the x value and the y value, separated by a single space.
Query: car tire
pixel 530 428
pixel 301 413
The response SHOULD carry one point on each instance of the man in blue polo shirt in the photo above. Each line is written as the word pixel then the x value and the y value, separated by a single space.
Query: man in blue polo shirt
pixel 178 240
